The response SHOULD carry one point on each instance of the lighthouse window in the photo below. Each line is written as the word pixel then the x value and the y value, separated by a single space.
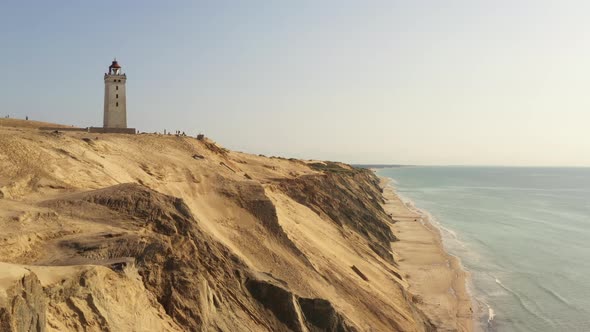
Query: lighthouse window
pixel 117 87
pixel 117 104
pixel 117 95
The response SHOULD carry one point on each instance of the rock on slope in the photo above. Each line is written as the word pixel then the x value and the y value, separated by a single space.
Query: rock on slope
pixel 166 233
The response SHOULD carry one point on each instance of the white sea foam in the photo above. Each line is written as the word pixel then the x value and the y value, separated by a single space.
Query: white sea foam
pixel 491 315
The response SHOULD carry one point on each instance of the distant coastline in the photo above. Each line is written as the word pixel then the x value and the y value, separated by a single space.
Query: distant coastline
pixel 379 166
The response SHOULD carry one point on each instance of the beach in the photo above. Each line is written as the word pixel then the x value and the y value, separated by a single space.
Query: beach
pixel 436 279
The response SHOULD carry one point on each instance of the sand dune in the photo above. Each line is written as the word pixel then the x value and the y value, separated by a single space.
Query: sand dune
pixel 166 233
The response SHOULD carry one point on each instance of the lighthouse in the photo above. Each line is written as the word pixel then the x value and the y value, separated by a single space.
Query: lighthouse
pixel 115 101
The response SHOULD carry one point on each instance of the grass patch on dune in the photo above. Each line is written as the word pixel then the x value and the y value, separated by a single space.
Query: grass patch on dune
pixel 332 167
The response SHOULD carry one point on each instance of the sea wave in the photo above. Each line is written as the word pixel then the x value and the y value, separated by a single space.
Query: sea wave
pixel 523 302
pixel 506 188
pixel 555 295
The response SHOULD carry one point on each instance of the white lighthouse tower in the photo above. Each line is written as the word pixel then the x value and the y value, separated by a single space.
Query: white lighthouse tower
pixel 115 105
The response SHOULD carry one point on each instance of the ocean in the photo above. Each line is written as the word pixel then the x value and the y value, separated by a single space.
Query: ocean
pixel 522 233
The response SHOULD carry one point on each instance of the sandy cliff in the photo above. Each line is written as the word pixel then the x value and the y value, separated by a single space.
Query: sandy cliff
pixel 165 233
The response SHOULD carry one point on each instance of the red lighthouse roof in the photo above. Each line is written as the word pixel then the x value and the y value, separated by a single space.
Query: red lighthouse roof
pixel 114 64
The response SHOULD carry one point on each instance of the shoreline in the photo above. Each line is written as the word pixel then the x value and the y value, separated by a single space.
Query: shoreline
pixel 435 277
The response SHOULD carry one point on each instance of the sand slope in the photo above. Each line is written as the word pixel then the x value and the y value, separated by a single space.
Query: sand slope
pixel 165 233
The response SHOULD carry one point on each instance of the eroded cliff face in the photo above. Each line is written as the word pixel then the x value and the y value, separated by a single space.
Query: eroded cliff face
pixel 24 307
pixel 348 197
pixel 148 232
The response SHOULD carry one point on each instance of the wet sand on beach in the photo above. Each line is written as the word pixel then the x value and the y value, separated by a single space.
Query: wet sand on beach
pixel 437 279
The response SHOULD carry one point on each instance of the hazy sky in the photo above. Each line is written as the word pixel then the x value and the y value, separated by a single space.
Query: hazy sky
pixel 419 82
